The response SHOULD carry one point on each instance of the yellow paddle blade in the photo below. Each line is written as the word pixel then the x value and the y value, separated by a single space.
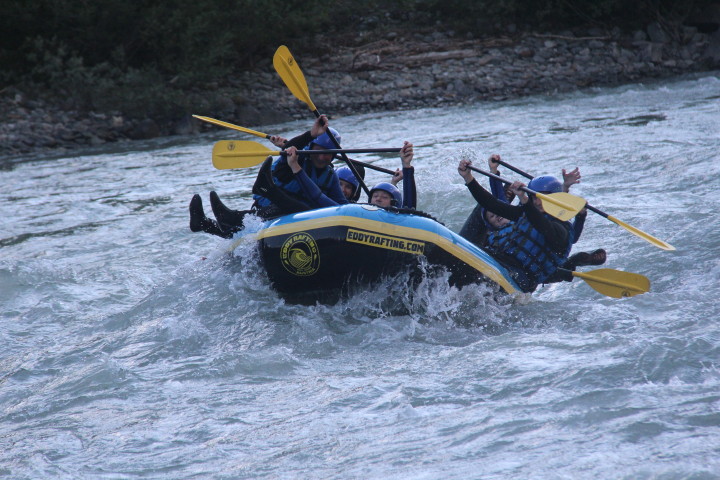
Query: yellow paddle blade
pixel 230 125
pixel 646 236
pixel 563 206
pixel 228 154
pixel 288 69
pixel 615 283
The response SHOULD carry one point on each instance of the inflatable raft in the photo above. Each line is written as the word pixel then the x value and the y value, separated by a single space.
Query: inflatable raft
pixel 314 256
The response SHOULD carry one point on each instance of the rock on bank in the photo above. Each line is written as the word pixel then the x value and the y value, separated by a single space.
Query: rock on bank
pixel 399 71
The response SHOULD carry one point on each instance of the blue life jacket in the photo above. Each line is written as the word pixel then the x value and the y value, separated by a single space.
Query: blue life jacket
pixel 522 242
pixel 322 178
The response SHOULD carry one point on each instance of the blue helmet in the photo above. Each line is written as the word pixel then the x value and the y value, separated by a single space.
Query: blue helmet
pixel 392 190
pixel 344 173
pixel 545 184
pixel 325 141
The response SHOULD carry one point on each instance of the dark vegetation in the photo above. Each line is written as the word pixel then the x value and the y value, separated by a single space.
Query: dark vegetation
pixel 150 58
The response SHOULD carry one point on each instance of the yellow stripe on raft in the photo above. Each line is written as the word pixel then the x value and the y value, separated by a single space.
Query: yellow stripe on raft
pixel 387 228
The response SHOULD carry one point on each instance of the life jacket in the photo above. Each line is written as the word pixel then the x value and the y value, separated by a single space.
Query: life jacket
pixel 284 178
pixel 523 243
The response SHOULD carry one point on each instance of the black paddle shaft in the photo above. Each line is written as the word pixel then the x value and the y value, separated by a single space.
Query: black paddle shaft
pixel 346 150
pixel 372 167
pixel 515 169
pixel 353 150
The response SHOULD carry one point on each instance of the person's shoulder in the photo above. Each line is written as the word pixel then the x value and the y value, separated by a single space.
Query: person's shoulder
pixel 566 224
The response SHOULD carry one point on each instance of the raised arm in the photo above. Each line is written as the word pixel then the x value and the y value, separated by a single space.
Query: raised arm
pixel 496 186
pixel 408 175
pixel 304 139
pixel 570 178
pixel 485 198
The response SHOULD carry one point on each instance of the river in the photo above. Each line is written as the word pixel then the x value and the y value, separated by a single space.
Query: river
pixel 133 348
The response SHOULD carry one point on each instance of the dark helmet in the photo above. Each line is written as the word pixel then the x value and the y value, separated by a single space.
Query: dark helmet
pixel 325 141
pixel 391 189
pixel 545 184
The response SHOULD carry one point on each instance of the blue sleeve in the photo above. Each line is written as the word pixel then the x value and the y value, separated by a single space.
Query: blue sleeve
pixel 313 193
pixel 498 189
pixel 409 191
pixel 578 225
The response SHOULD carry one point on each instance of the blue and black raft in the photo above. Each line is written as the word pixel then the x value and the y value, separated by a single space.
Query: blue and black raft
pixel 315 256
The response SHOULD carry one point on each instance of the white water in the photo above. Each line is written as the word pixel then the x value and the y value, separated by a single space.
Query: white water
pixel 132 348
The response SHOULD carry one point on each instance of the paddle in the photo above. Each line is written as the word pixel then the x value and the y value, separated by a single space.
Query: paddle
pixel 265 135
pixel 635 231
pixel 230 125
pixel 288 69
pixel 614 283
pixel 228 154
pixel 290 73
pixel 563 206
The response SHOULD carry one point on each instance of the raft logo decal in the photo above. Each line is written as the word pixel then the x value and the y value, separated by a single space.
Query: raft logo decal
pixel 299 255
pixel 385 241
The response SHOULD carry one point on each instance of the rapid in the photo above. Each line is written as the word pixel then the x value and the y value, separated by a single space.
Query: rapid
pixel 133 348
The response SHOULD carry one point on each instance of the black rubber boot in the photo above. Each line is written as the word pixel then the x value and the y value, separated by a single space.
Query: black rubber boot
pixel 196 213
pixel 264 182
pixel 229 219
pixel 199 222
pixel 583 259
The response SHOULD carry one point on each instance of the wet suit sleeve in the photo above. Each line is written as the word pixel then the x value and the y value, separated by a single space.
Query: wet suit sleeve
pixel 556 232
pixel 578 225
pixel 498 189
pixel 281 170
pixel 313 193
pixel 301 141
pixel 409 191
pixel 485 198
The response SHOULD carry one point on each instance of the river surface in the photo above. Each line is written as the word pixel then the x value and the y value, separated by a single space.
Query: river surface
pixel 133 348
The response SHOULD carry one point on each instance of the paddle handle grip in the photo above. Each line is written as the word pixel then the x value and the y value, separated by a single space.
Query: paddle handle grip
pixel 597 210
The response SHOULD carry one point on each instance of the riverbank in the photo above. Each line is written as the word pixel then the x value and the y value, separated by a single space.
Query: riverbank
pixel 399 71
